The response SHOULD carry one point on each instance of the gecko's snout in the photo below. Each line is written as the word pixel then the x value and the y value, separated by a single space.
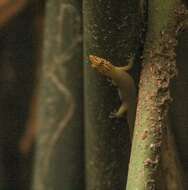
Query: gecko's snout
pixel 95 61
pixel 91 57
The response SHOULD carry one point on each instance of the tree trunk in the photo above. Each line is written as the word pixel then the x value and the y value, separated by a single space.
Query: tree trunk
pixel 59 155
pixel 111 30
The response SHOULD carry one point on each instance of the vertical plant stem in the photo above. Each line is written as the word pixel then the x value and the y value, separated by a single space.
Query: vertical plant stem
pixel 59 155
pixel 159 67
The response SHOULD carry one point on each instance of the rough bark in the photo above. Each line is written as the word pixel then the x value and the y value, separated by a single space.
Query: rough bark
pixel 59 155
pixel 111 31
pixel 165 19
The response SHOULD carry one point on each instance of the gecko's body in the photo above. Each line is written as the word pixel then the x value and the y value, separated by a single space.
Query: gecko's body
pixel 125 84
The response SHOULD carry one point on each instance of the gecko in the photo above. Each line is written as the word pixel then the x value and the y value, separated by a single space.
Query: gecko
pixel 125 84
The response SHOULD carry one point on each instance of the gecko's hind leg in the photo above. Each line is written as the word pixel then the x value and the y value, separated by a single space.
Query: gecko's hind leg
pixel 120 113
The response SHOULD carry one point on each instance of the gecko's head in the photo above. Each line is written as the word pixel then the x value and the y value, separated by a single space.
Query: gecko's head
pixel 101 65
pixel 96 61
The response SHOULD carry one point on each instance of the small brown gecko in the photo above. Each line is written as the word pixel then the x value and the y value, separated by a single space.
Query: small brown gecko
pixel 125 84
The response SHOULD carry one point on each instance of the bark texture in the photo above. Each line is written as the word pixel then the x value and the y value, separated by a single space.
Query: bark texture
pixel 59 155
pixel 165 20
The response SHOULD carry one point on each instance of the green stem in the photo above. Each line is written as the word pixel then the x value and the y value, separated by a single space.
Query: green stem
pixel 159 67
pixel 59 155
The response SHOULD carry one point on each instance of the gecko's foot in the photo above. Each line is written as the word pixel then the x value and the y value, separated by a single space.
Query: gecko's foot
pixel 113 115
pixel 116 115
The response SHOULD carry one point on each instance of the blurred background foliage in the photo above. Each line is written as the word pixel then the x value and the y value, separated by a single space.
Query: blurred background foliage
pixel 20 42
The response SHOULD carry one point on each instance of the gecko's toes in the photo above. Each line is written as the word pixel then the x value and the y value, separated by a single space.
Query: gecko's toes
pixel 117 115
pixel 112 115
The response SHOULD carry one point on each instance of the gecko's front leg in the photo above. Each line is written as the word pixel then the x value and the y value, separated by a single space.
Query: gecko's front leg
pixel 121 112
